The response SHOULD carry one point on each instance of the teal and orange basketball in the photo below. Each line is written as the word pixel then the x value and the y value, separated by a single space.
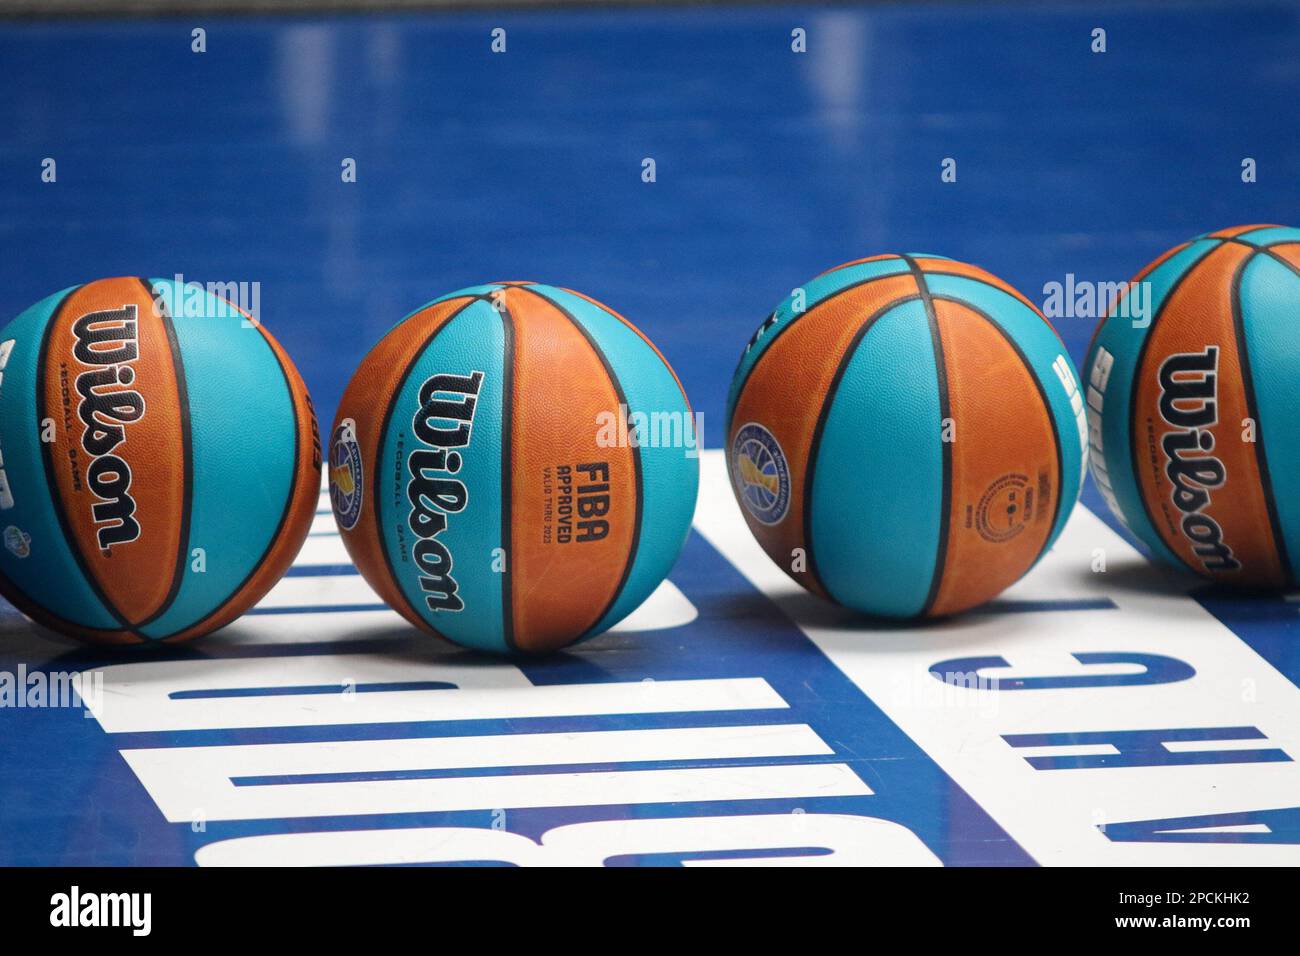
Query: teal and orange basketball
pixel 1193 385
pixel 160 463
pixel 905 435
pixel 513 467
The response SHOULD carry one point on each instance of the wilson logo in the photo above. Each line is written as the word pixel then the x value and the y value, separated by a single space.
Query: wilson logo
pixel 443 423
pixel 1189 402
pixel 107 345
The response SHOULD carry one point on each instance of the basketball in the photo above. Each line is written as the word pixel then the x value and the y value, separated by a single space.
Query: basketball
pixel 905 435
pixel 160 463
pixel 1194 406
pixel 513 467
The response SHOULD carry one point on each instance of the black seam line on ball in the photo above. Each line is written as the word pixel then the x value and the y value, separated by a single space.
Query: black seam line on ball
pixel 1252 410
pixel 377 491
pixel 945 412
pixel 1135 459
pixel 41 614
pixel 1047 408
pixel 507 471
pixel 494 287
pixel 8 588
pixel 978 281
pixel 740 389
pixel 1112 311
pixel 681 389
pixel 771 318
pixel 295 480
pixel 1268 251
pixel 187 463
pixel 51 478
pixel 635 449
pixel 823 414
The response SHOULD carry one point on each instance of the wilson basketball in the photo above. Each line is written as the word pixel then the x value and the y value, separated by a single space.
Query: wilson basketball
pixel 905 435
pixel 160 461
pixel 1194 406
pixel 513 467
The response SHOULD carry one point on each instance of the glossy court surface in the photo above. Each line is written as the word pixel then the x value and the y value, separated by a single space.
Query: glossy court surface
pixel 694 732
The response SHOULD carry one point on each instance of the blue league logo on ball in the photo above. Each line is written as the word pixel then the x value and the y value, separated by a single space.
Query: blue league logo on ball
pixel 347 482
pixel 759 469
pixel 18 541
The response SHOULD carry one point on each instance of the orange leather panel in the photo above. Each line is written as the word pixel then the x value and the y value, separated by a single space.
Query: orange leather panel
pixel 562 584
pixel 127 533
pixel 1234 515
pixel 1287 252
pixel 1005 467
pixel 1238 230
pixel 642 336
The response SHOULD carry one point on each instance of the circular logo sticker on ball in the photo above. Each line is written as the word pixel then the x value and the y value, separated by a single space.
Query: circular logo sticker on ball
pixel 1005 508
pixel 762 477
pixel 347 476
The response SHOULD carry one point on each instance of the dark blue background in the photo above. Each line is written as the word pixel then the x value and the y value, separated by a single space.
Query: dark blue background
pixel 772 166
